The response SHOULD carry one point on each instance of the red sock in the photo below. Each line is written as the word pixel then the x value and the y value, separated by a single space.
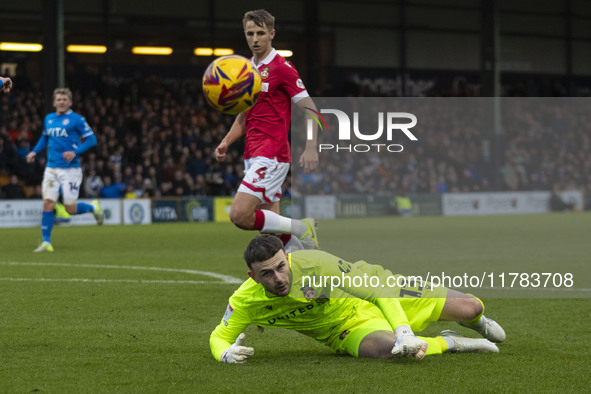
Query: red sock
pixel 259 219
pixel 285 238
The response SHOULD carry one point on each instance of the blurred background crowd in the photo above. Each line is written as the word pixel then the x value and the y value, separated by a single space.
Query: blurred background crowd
pixel 156 138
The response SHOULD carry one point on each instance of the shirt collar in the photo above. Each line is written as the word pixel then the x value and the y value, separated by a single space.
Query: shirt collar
pixel 268 59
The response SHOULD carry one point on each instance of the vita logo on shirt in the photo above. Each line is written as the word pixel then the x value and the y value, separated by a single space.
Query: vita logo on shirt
pixel 57 132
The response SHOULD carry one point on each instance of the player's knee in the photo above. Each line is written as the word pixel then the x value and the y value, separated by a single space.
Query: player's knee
pixel 240 220
pixel 71 209
pixel 378 352
pixel 377 345
pixel 474 308
pixel 48 205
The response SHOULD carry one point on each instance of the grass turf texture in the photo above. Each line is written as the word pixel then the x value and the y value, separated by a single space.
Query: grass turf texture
pixel 122 335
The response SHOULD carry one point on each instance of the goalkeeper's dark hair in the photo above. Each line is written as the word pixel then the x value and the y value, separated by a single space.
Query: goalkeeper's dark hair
pixel 259 17
pixel 262 248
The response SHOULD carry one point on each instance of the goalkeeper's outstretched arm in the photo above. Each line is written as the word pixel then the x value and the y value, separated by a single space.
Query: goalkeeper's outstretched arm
pixel 238 352
pixel 227 332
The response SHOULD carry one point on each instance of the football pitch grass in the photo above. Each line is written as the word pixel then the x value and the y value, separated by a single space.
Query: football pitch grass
pixel 129 309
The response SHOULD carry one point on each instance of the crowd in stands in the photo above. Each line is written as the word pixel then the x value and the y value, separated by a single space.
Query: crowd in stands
pixel 542 144
pixel 156 138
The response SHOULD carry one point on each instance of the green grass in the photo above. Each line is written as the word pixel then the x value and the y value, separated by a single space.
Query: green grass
pixel 142 331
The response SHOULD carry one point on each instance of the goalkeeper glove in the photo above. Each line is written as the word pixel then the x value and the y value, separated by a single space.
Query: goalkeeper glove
pixel 237 353
pixel 407 344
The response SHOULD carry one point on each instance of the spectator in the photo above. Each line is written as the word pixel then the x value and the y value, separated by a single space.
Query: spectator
pixel 93 185
pixel 8 152
pixel 37 193
pixel 180 185
pixel 129 192
pixel 13 190
pixel 112 190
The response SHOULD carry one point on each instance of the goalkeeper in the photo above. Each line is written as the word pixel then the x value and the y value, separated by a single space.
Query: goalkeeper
pixel 361 321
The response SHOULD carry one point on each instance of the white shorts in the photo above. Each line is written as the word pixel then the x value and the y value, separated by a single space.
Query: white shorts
pixel 263 178
pixel 69 179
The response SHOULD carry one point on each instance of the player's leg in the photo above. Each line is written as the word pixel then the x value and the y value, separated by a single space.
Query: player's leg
pixel 379 344
pixel 50 190
pixel 98 213
pixel 248 213
pixel 290 243
pixel 427 304
pixel 461 307
pixel 256 204
pixel 469 312
pixel 374 338
pixel 61 215
pixel 71 179
pixel 367 333
pixel 242 212
pixel 78 208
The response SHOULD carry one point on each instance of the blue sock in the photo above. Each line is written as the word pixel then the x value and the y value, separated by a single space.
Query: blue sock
pixel 83 208
pixel 47 225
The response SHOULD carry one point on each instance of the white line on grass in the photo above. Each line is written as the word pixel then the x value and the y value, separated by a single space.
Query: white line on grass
pixel 225 279
pixel 191 282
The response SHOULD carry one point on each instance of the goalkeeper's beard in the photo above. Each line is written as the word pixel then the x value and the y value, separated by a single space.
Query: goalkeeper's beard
pixel 282 290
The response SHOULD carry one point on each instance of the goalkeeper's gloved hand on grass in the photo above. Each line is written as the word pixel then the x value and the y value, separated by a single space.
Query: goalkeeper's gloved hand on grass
pixel 408 345
pixel 237 353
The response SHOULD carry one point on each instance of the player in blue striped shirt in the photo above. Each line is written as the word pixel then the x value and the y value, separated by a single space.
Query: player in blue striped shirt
pixel 63 132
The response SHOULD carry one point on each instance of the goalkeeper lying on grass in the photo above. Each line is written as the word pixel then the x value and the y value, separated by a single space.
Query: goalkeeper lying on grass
pixel 362 321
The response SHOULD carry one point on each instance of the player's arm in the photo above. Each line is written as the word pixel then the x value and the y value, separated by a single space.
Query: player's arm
pixel 407 344
pixel 226 341
pixel 236 132
pixel 41 144
pixel 309 158
pixel 379 296
pixel 89 141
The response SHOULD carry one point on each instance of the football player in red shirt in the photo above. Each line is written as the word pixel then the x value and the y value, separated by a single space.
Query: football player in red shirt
pixel 267 152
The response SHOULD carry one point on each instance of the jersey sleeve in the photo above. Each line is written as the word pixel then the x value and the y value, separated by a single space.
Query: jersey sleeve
pixel 41 144
pixel 234 322
pixel 386 297
pixel 83 127
pixel 292 83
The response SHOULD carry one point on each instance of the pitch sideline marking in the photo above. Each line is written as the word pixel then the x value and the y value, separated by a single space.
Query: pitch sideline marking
pixel 225 279
pixel 86 280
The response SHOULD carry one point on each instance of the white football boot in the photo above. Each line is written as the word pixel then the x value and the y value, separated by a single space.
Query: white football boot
pixel 489 329
pixel 469 345
pixel 44 247
pixel 98 213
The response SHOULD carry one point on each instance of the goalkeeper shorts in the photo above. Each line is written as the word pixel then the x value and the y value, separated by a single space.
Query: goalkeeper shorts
pixel 369 318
